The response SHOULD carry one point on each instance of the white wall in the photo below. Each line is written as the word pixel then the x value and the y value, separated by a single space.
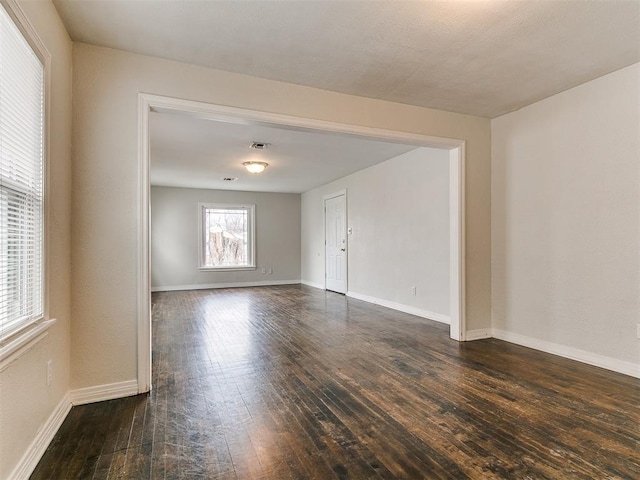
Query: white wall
pixel 26 403
pixel 174 237
pixel 105 176
pixel 566 210
pixel 399 212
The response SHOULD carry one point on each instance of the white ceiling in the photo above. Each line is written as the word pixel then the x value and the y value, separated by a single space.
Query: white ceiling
pixel 197 153
pixel 483 57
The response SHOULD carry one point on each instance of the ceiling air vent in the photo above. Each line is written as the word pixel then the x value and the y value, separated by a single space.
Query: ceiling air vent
pixel 259 145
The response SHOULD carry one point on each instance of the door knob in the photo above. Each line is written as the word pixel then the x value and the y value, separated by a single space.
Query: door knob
pixel 343 249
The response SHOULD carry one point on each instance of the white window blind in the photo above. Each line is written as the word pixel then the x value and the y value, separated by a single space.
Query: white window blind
pixel 21 180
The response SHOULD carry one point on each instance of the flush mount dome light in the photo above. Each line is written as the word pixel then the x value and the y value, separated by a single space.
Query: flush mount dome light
pixel 255 167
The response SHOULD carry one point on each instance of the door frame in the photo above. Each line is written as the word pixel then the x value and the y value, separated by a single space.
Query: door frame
pixel 324 232
pixel 150 102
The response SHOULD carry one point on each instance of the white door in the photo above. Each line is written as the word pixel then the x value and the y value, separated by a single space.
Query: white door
pixel 335 226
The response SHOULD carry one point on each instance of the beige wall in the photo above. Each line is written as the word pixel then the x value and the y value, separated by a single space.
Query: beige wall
pixel 399 213
pixel 25 400
pixel 174 237
pixel 566 219
pixel 106 84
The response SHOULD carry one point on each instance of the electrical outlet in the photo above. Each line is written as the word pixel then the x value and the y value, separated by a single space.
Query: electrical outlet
pixel 413 290
pixel 49 372
pixel 264 270
pixel 270 271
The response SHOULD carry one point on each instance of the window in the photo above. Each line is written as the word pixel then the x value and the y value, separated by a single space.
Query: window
pixel 227 236
pixel 21 180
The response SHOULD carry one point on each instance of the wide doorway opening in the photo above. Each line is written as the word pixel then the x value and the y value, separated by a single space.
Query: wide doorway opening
pixel 185 113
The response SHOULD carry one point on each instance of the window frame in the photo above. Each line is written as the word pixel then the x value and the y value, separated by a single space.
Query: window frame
pixel 18 340
pixel 251 234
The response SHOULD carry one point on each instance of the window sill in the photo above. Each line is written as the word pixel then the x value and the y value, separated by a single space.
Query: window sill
pixel 21 342
pixel 226 269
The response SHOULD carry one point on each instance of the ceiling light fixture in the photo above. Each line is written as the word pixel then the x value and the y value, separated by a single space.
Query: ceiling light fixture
pixel 255 167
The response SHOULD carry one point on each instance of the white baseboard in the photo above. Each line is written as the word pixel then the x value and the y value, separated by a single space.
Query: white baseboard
pixel 613 364
pixel 312 284
pixel 35 451
pixel 45 434
pixel 100 393
pixel 207 286
pixel 479 334
pixel 438 317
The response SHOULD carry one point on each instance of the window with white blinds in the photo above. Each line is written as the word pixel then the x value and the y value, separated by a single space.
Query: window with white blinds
pixel 21 180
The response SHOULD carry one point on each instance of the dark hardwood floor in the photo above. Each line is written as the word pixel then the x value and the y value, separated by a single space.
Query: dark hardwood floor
pixel 294 383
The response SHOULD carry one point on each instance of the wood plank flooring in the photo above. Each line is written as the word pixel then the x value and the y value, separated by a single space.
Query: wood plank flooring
pixel 295 383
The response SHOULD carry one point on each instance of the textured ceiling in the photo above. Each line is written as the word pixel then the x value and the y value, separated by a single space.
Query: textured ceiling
pixel 196 153
pixel 483 57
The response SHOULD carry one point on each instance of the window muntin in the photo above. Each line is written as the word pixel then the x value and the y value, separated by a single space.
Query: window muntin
pixel 227 236
pixel 22 156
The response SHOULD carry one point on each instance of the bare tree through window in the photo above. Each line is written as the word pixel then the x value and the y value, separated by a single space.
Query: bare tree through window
pixel 226 236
